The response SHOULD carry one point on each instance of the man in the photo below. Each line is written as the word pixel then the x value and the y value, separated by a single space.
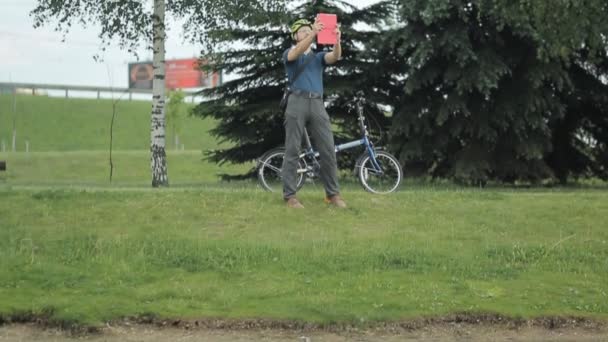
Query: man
pixel 306 108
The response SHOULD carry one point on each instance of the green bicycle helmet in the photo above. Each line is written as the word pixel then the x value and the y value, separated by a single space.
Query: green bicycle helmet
pixel 297 25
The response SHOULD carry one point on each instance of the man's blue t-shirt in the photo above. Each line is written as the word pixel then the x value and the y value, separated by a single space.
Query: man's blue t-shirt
pixel 311 78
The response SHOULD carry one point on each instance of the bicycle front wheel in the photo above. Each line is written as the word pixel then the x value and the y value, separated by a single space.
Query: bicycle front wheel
pixel 270 168
pixel 382 180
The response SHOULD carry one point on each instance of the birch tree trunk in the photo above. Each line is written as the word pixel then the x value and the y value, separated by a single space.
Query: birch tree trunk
pixel 157 146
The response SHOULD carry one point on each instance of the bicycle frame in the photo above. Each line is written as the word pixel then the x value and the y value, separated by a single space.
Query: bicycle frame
pixel 365 141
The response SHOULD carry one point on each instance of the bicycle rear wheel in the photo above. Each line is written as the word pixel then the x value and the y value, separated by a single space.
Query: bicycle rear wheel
pixel 383 181
pixel 270 167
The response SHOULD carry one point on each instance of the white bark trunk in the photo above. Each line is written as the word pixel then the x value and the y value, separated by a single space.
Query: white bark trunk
pixel 157 146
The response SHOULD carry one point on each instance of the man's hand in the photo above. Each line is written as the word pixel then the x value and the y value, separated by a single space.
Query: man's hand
pixel 336 54
pixel 317 27
pixel 338 34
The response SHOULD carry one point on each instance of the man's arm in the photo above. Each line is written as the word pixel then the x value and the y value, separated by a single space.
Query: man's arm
pixel 302 46
pixel 334 56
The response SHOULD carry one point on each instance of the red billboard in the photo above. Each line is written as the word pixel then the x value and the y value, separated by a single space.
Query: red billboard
pixel 179 73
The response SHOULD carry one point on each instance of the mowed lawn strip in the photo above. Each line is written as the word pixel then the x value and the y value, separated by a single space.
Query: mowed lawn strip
pixel 90 255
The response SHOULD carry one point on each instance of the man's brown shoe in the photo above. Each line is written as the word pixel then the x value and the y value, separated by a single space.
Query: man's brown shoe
pixel 336 200
pixel 294 203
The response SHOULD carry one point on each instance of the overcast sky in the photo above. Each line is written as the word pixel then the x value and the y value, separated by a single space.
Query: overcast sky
pixel 39 56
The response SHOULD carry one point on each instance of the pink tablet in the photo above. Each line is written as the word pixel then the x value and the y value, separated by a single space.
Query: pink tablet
pixel 328 35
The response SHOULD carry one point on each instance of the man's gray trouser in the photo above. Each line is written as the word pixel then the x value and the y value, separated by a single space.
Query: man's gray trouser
pixel 310 113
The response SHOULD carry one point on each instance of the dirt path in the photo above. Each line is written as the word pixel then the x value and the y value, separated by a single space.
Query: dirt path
pixel 444 332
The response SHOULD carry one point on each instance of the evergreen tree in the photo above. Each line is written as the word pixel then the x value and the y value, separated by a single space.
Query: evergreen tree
pixel 504 90
pixel 580 136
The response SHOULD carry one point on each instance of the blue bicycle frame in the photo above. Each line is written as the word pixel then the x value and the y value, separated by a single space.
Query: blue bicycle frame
pixel 369 147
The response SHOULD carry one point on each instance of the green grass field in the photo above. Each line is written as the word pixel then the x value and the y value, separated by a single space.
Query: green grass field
pixel 90 255
pixel 58 124
pixel 77 248
pixel 92 168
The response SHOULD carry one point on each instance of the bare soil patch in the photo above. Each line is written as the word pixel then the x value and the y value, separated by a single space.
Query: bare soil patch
pixel 452 328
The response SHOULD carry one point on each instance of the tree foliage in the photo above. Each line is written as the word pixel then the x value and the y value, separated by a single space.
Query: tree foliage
pixel 478 90
pixel 502 90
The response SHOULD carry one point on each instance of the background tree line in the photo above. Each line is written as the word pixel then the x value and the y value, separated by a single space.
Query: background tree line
pixel 473 91
pixel 476 91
